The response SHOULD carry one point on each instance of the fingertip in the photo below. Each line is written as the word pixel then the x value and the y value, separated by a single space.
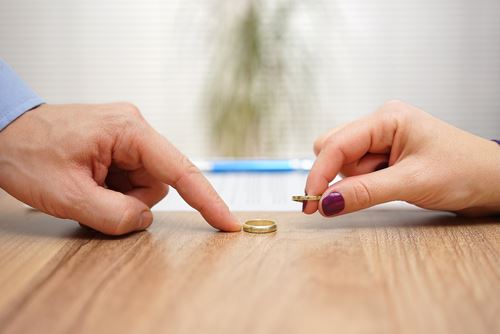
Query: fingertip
pixel 309 208
pixel 332 203
pixel 320 203
pixel 231 225
pixel 320 207
pixel 145 220
pixel 236 223
pixel 234 228
pixel 219 216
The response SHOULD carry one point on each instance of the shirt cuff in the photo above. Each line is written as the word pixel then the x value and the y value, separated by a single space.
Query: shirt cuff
pixel 15 96
pixel 18 111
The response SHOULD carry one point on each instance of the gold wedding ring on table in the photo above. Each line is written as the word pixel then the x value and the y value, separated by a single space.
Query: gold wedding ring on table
pixel 303 198
pixel 259 226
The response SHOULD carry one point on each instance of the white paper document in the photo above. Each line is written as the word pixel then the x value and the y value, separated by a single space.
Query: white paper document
pixel 255 192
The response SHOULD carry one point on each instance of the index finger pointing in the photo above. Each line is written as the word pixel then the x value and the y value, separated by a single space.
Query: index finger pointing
pixel 165 162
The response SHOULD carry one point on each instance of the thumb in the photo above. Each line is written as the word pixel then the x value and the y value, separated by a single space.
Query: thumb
pixel 363 191
pixel 111 212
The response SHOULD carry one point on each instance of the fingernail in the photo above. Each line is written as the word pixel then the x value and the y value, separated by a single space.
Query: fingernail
pixel 382 165
pixel 304 202
pixel 333 203
pixel 146 219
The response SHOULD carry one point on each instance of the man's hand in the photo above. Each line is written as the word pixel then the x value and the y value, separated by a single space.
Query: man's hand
pixel 101 165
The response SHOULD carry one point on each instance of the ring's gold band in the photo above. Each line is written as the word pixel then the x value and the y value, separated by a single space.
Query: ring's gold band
pixel 303 198
pixel 259 226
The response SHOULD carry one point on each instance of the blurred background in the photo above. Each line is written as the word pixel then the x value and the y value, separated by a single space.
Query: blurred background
pixel 260 78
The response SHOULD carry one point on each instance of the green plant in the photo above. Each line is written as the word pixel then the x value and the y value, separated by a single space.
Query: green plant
pixel 248 78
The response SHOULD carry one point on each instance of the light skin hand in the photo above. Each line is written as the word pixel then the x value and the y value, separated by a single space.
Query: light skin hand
pixel 402 153
pixel 101 165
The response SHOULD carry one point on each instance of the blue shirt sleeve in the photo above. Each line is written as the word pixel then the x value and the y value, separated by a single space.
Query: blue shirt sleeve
pixel 15 96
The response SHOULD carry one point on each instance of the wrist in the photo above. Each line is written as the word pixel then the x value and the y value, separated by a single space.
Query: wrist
pixel 488 179
pixel 15 134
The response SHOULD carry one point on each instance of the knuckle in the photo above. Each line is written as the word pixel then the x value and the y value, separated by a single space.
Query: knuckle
pixel 122 115
pixel 329 142
pixel 362 195
pixel 130 109
pixel 393 106
pixel 318 143
pixel 163 190
pixel 188 167
pixel 128 114
pixel 397 111
pixel 128 123
pixel 187 171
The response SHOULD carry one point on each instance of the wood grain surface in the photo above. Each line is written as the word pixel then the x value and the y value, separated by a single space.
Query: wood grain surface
pixel 369 272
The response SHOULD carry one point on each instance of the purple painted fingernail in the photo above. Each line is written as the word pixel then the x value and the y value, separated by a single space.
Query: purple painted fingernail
pixel 382 165
pixel 333 203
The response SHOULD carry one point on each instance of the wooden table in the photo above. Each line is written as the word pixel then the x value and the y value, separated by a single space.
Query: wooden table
pixel 369 272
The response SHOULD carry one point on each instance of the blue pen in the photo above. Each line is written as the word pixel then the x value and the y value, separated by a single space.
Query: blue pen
pixel 256 166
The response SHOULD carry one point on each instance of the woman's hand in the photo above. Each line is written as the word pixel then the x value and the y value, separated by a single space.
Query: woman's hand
pixel 101 165
pixel 402 153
